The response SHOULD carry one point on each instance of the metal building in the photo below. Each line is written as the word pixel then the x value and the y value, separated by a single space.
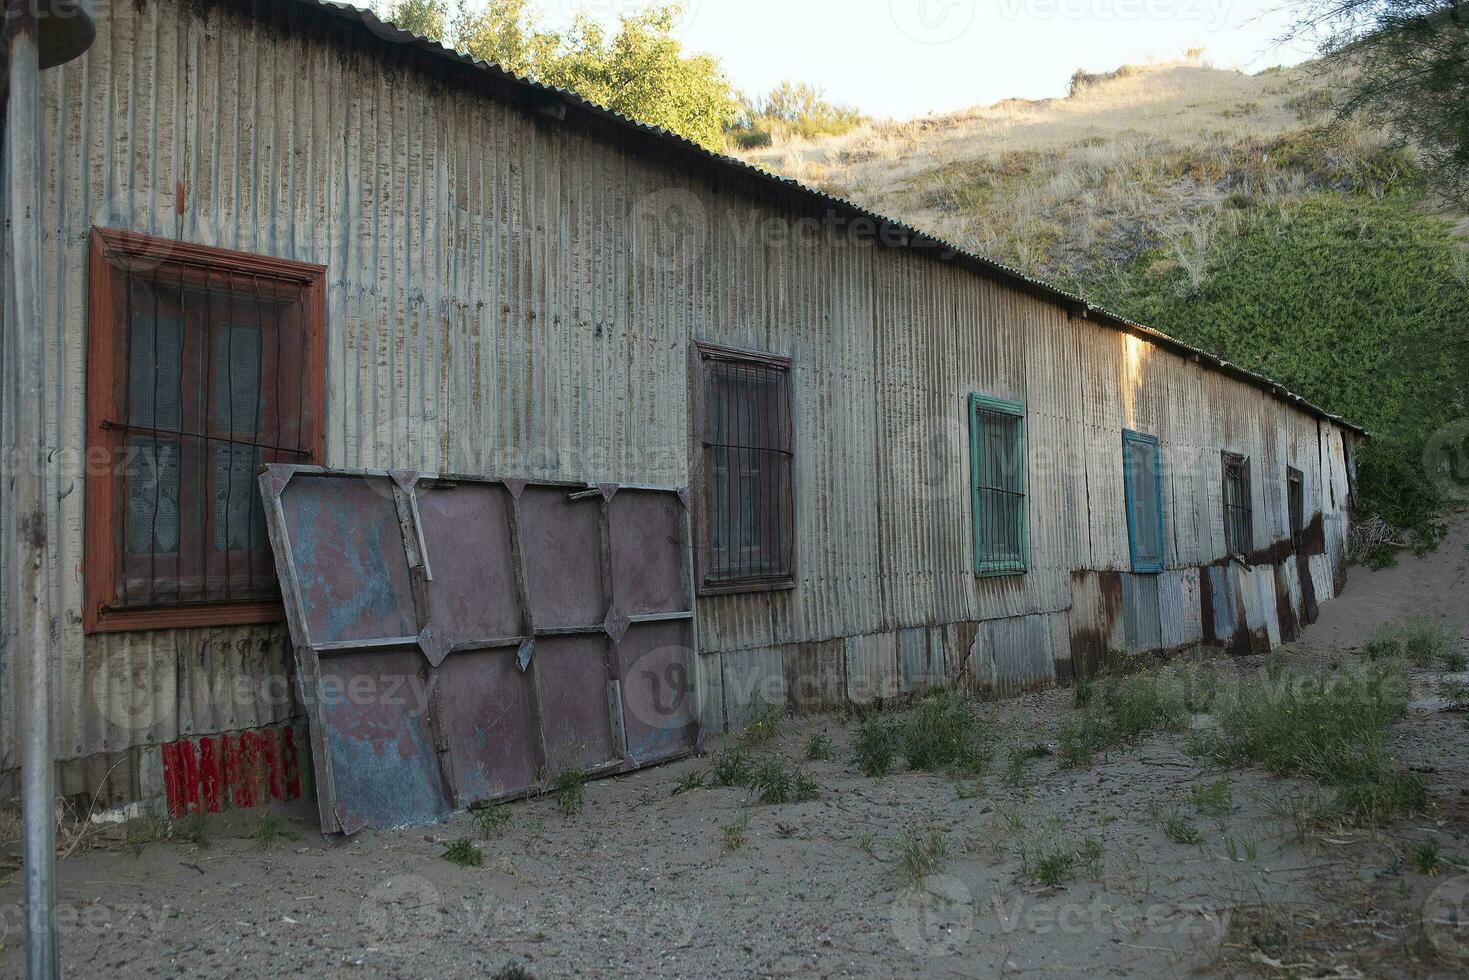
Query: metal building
pixel 283 232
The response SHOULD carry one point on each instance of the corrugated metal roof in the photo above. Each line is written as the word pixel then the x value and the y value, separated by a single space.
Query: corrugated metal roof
pixel 897 233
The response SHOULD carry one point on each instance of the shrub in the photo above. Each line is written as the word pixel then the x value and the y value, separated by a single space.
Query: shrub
pixel 569 791
pixel 1330 727
pixel 875 745
pixel 463 853
pixel 1420 640
pixel 921 854
pixel 946 733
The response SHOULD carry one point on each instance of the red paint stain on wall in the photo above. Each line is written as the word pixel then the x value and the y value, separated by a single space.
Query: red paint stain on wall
pixel 231 771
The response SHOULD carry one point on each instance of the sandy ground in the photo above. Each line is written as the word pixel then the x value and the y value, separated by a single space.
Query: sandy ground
pixel 642 884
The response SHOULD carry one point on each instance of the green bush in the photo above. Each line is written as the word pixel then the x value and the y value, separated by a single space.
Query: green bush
pixel 1349 299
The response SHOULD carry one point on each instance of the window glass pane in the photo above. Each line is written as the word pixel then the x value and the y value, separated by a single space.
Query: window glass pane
pixel 1142 461
pixel 151 478
pixel 155 347
pixel 239 519
pixel 236 371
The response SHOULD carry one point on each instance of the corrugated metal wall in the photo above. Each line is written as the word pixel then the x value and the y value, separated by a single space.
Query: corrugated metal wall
pixel 497 306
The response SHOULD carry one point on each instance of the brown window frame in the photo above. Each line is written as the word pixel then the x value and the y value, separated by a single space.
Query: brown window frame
pixel 1230 460
pixel 114 254
pixel 705 355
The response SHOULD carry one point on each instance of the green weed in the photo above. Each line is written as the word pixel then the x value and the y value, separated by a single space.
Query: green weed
pixel 1427 860
pixel 875 745
pixel 463 853
pixel 491 819
pixel 569 791
pixel 920 855
pixel 1214 799
pixel 271 829
pixel 818 747
pixel 688 782
pixel 767 721
pixel 732 836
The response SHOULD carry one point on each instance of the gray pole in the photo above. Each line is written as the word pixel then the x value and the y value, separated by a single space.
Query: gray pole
pixel 31 643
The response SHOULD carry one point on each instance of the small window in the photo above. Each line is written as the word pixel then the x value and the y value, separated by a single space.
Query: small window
pixel 1295 484
pixel 1143 484
pixel 997 475
pixel 744 434
pixel 203 365
pixel 1239 527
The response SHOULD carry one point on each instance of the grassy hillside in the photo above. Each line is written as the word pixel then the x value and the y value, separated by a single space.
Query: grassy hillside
pixel 1221 208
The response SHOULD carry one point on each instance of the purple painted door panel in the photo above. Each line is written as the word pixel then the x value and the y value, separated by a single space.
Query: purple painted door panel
pixel 467 531
pixel 457 641
pixel 648 543
pixel 489 724
pixel 655 662
pixel 571 672
pixel 562 541
pixel 345 539
pixel 378 730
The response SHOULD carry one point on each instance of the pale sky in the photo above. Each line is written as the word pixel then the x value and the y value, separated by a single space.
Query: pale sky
pixel 905 58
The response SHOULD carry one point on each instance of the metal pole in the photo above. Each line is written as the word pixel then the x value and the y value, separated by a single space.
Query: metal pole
pixel 31 644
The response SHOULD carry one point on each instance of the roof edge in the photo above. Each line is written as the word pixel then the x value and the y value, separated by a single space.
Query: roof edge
pixel 554 102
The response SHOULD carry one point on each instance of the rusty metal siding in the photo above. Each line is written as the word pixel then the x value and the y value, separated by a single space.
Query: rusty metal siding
pixel 496 306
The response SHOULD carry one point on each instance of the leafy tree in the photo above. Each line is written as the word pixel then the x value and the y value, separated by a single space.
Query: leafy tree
pixel 427 18
pixel 791 107
pixel 1406 63
pixel 639 70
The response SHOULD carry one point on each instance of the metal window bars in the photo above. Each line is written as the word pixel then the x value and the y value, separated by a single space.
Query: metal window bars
pixel 748 460
pixel 1238 517
pixel 214 373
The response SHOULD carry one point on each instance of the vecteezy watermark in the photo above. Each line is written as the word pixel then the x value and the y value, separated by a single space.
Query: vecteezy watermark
pixel 86 918
pixel 1211 15
pixel 934 919
pixel 1446 461
pixel 1446 918
pixel 670 229
pixel 1200 928
pixel 933 21
pixel 399 909
pixel 659 691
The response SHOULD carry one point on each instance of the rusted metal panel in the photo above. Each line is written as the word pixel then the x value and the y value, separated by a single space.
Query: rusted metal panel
pixel 921 667
pixel 1178 608
pixel 872 668
pixel 1014 654
pixel 816 676
pixel 752 678
pixel 430 701
pixel 1141 625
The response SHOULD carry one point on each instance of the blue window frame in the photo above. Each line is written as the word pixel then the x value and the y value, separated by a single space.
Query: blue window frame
pixel 998 490
pixel 1142 474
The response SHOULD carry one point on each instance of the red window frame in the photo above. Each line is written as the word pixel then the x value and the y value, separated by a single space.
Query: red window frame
pixel 116 256
pixel 712 580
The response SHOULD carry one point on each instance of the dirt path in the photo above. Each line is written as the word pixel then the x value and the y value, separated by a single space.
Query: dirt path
pixel 646 882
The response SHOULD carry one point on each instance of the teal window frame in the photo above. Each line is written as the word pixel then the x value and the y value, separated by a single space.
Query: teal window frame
pixel 986 567
pixel 1129 483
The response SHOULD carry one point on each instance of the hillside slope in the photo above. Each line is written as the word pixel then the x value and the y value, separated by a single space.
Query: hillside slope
pixel 1223 208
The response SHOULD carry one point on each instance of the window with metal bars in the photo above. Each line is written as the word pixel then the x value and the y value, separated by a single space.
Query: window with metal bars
pixel 1295 486
pixel 1142 473
pixel 203 365
pixel 1239 528
pixel 743 433
pixel 998 486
